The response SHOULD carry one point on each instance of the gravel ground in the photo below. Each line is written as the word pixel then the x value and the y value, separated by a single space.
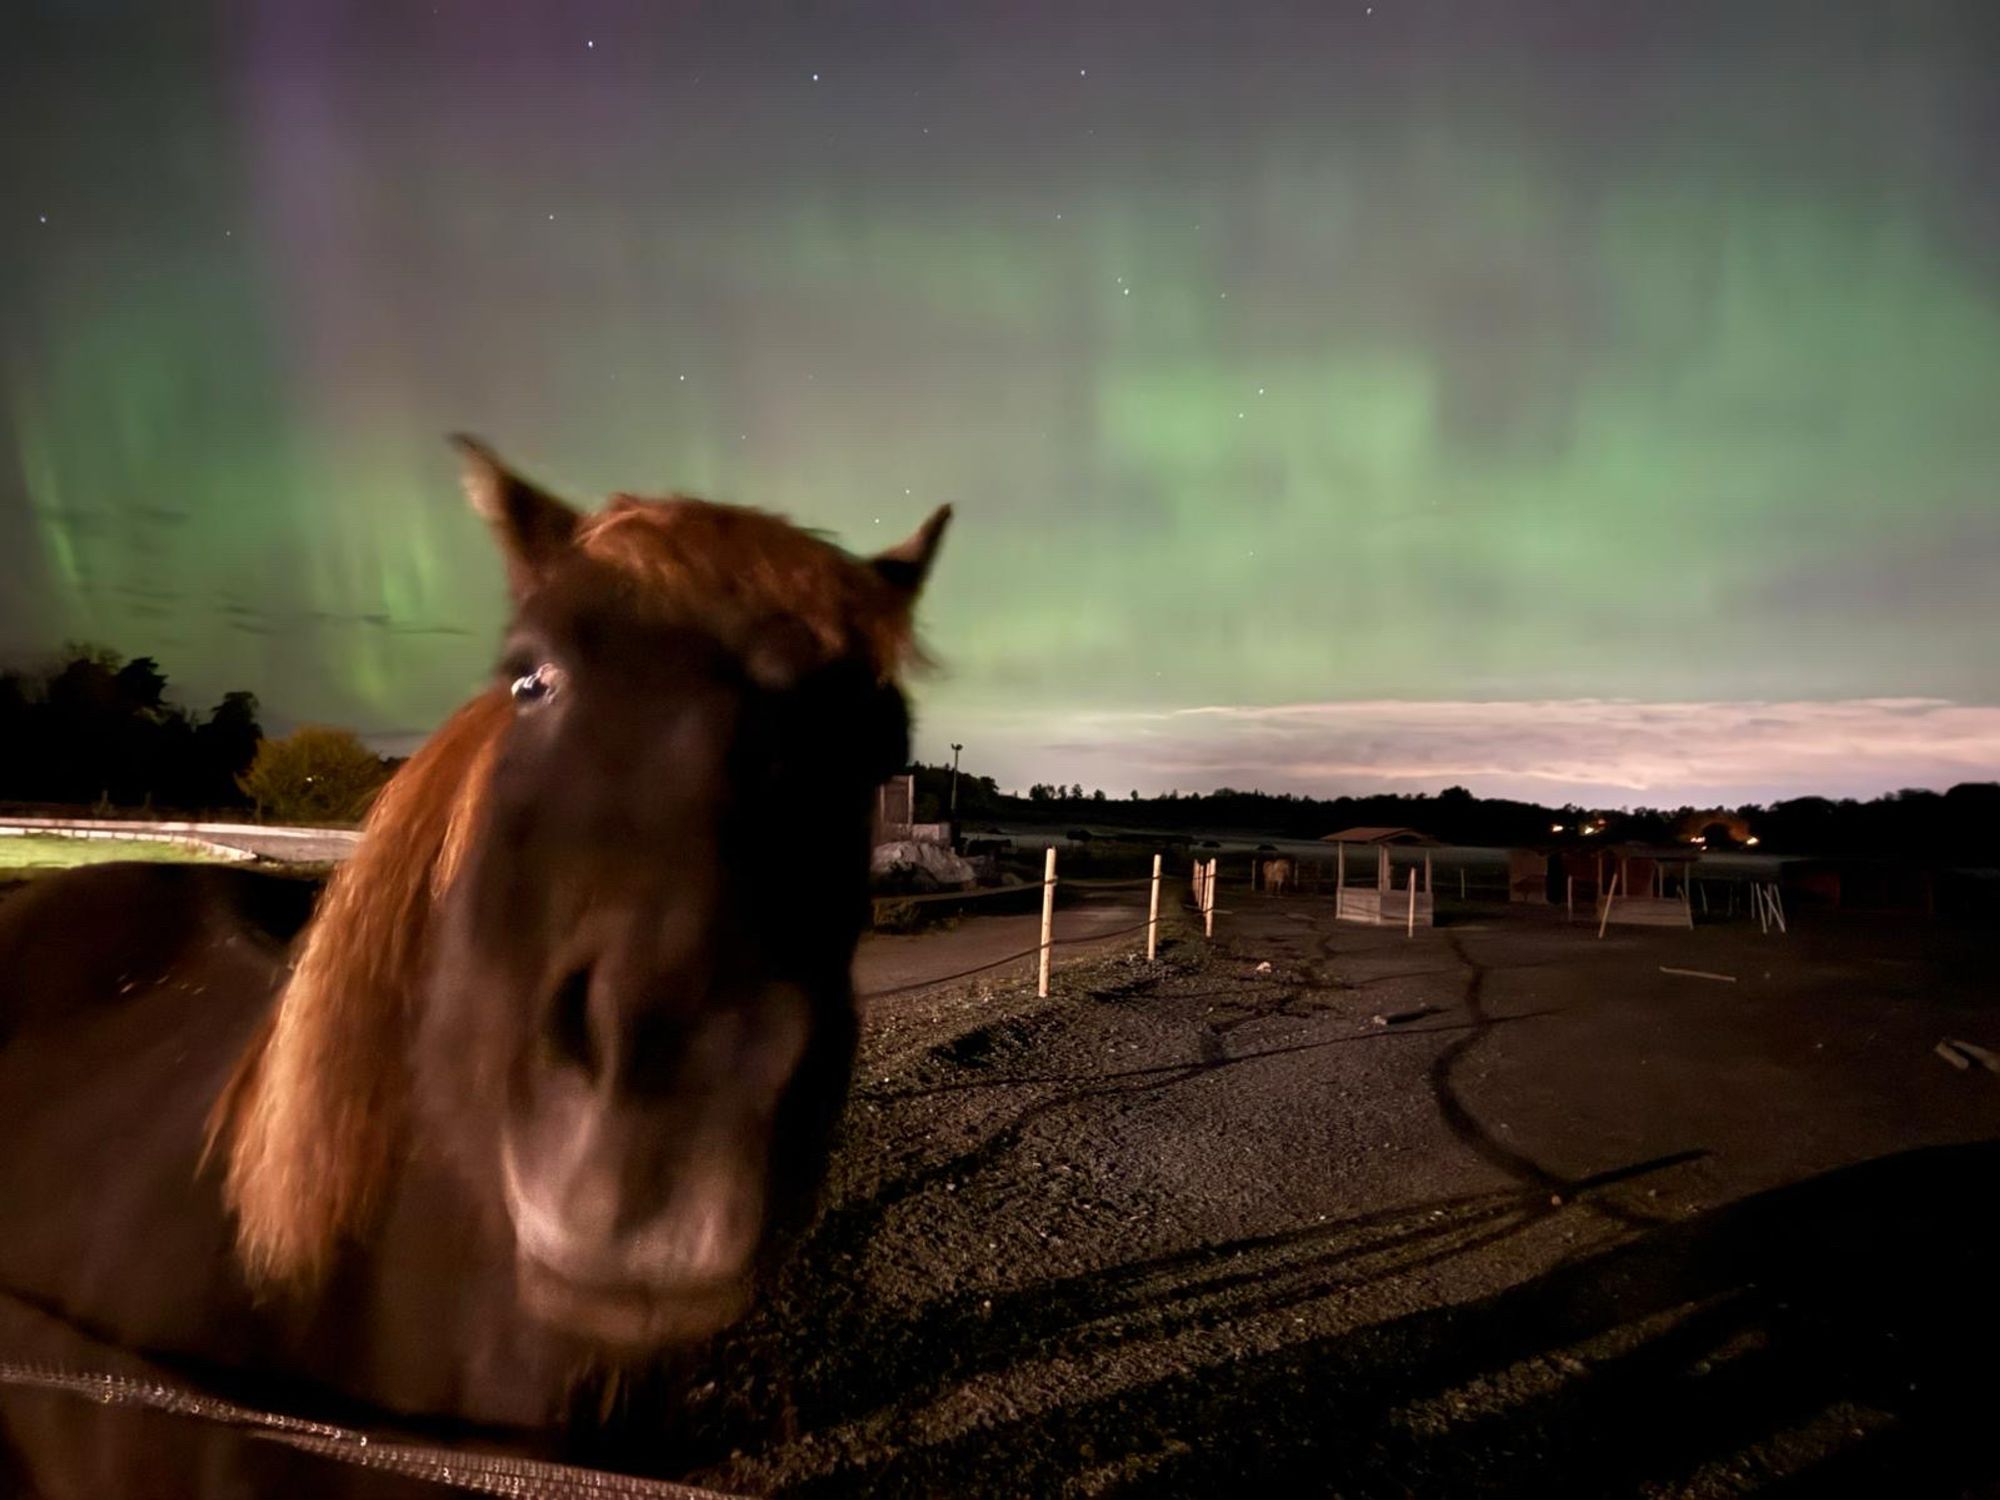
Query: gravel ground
pixel 1499 1209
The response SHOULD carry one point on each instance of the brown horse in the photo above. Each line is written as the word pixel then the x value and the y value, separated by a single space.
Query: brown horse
pixel 549 1075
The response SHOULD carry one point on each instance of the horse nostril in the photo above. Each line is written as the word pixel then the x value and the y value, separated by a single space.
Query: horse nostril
pixel 570 1037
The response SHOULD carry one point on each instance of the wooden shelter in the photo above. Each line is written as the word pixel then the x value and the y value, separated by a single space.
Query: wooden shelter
pixel 1382 836
pixel 1384 903
pixel 1646 884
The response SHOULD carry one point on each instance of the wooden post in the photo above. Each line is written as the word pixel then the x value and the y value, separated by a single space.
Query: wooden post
pixel 1430 886
pixel 1153 914
pixel 1569 898
pixel 1778 908
pixel 1048 919
pixel 1208 914
pixel 1411 929
pixel 1609 896
pixel 1339 877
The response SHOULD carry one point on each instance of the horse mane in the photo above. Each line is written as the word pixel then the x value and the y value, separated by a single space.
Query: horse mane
pixel 314 1116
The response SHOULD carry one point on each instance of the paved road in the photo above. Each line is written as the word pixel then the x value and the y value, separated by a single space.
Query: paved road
pixel 312 846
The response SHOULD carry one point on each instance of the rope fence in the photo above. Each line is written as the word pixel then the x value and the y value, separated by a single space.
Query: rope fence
pixel 1043 951
pixel 456 1468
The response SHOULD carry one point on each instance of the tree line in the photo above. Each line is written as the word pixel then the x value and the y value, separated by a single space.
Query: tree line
pixel 1964 820
pixel 96 730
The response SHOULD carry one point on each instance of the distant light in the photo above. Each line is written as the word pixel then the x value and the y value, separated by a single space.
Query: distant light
pixel 815 78
pixel 1083 72
pixel 1588 832
pixel 590 44
pixel 1555 828
pixel 1751 840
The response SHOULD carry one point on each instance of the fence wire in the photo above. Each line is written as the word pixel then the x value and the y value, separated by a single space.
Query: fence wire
pixel 1001 963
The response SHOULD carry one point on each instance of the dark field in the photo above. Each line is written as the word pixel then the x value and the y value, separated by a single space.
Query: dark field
pixel 1501 1209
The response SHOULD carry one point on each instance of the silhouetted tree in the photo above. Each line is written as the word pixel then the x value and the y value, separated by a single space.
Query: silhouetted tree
pixel 94 728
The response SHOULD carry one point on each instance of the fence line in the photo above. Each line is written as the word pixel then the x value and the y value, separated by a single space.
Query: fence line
pixel 1043 950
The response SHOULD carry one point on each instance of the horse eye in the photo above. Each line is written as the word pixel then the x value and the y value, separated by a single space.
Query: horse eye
pixel 537 686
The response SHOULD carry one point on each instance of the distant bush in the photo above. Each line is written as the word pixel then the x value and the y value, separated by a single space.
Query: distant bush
pixel 314 775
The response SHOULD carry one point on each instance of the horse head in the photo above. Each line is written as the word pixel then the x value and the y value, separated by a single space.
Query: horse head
pixel 594 950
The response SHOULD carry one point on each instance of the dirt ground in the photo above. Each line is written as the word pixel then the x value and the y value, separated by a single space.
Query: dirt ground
pixel 1500 1209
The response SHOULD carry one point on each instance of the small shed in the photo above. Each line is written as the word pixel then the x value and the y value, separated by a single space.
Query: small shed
pixel 1384 904
pixel 1647 884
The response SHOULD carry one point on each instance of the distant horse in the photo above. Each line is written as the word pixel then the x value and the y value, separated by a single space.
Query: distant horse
pixel 547 1079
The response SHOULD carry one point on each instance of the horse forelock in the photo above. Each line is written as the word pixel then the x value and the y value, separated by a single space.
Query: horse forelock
pixel 726 566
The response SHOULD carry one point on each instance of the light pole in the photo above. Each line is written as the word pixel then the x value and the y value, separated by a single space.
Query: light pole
pixel 954 782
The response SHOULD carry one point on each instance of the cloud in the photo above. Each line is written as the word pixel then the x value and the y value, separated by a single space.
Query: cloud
pixel 1601 751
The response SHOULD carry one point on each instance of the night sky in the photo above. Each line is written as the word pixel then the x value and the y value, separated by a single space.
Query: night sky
pixel 1585 400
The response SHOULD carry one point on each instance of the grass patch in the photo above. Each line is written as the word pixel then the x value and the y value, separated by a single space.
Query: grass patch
pixel 54 852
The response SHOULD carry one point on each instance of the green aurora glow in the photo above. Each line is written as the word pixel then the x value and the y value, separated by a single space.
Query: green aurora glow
pixel 1431 374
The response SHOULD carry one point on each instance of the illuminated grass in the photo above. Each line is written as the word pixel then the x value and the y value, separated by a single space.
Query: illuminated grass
pixel 54 852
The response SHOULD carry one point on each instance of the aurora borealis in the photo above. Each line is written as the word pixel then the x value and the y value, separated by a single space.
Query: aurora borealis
pixel 1340 397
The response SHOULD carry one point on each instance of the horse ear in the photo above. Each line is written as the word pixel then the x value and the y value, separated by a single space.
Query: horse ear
pixel 906 565
pixel 534 527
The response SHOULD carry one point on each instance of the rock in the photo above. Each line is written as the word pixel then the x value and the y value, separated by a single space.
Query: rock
pixel 919 865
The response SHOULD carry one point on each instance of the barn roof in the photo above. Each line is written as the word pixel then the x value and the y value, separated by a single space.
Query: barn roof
pixel 1378 836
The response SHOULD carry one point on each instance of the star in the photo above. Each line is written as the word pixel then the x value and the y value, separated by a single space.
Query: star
pixel 43 217
pixel 590 44
pixel 683 377
pixel 1127 290
pixel 1083 72
pixel 552 218
pixel 815 78
pixel 1260 390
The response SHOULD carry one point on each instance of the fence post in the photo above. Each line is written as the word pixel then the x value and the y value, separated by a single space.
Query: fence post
pixel 1569 898
pixel 1048 919
pixel 1411 930
pixel 1153 914
pixel 1609 896
pixel 1208 903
